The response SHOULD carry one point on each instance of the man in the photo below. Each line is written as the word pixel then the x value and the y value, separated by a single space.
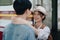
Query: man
pixel 22 31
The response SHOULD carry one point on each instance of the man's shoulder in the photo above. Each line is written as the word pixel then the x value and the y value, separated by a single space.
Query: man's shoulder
pixel 24 26
pixel 27 28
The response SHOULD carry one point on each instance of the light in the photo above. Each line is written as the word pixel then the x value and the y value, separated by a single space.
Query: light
pixel 8 15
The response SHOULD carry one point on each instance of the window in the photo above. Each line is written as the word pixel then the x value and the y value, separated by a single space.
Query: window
pixel 6 2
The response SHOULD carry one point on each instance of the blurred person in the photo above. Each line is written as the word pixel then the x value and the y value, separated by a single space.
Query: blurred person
pixel 39 16
pixel 18 29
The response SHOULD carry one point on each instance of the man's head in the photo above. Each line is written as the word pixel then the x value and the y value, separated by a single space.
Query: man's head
pixel 22 6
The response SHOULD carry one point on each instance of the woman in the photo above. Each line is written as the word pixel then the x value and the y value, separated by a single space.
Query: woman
pixel 39 16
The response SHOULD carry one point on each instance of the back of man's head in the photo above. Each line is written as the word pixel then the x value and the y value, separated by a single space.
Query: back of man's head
pixel 20 6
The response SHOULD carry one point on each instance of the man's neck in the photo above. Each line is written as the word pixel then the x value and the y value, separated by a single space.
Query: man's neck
pixel 18 19
pixel 21 16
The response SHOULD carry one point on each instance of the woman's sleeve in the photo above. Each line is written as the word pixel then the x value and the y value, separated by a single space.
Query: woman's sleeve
pixel 44 33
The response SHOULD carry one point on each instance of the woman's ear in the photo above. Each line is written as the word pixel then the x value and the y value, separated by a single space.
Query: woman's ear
pixel 43 17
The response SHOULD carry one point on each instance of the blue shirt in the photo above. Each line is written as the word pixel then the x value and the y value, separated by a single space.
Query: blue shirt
pixel 18 32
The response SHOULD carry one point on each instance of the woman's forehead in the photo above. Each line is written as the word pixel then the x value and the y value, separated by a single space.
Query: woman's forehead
pixel 36 12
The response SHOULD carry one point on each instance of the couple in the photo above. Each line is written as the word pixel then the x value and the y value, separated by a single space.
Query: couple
pixel 20 28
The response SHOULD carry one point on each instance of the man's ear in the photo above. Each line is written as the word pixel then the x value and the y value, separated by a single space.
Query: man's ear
pixel 26 11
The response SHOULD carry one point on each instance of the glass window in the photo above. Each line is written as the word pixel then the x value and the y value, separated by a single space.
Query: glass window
pixel 5 2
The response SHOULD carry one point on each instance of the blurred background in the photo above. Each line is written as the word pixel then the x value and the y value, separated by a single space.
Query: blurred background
pixel 6 7
pixel 52 19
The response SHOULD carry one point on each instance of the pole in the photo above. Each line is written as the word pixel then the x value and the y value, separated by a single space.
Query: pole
pixel 54 19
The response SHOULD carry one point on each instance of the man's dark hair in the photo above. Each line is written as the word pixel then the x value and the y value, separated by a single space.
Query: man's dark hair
pixel 20 6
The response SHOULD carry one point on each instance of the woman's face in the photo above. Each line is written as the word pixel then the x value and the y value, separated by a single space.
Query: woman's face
pixel 37 16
